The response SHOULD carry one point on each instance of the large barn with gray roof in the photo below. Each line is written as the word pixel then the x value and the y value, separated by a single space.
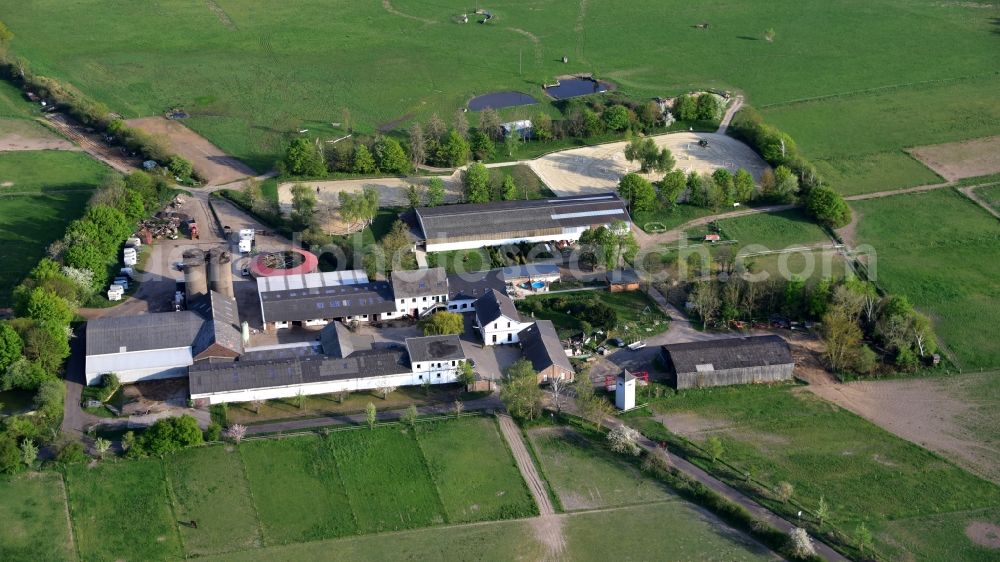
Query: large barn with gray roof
pixel 469 226
pixel 728 361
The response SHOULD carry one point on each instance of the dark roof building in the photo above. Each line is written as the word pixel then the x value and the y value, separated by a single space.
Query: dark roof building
pixel 434 348
pixel 540 344
pixel 453 227
pixel 728 361
pixel 419 283
pixel 531 271
pixel 338 341
pixel 329 302
pixel 143 332
pixel 473 285
pixel 247 373
pixel 493 305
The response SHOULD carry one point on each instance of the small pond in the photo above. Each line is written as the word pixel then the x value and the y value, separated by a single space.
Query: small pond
pixel 573 87
pixel 498 100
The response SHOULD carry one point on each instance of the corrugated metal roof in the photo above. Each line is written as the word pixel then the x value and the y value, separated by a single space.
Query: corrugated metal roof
pixel 728 353
pixel 327 302
pixel 142 332
pixel 472 285
pixel 500 219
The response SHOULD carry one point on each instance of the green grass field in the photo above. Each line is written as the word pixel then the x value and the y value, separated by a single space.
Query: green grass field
pixel 943 252
pixel 33 511
pixel 991 195
pixel 122 511
pixel 473 486
pixel 587 476
pixel 784 433
pixel 49 170
pixel 774 231
pixel 386 479
pixel 663 219
pixel 297 490
pixel 858 140
pixel 28 224
pixel 209 487
pixel 271 81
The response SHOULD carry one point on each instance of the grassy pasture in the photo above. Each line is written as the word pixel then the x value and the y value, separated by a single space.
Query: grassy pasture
pixel 784 433
pixel 630 308
pixel 33 511
pixel 473 486
pixel 991 195
pixel 775 231
pixel 943 252
pixel 859 139
pixel 49 170
pixel 297 490
pixel 209 486
pixel 586 475
pixel 271 81
pixel 122 511
pixel 28 224
pixel 387 479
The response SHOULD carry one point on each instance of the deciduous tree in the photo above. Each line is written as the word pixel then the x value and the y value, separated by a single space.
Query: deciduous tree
pixel 477 183
pixel 616 118
pixel 827 206
pixel 509 189
pixel 639 193
pixel 418 145
pixel 390 156
pixel 303 159
pixel 670 187
pixel 371 415
pixel 435 192
pixel 624 440
pixel 714 448
pixel 442 324
pixel 454 151
pixel 520 392
pixel 363 162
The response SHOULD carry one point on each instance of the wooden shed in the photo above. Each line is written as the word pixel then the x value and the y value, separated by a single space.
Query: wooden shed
pixel 757 359
pixel 622 279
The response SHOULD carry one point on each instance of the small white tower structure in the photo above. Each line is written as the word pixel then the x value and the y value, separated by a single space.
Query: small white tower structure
pixel 625 391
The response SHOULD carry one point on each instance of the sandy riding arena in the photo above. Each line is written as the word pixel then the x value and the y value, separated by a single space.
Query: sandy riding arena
pixel 209 161
pixel 596 169
pixel 392 192
pixel 956 160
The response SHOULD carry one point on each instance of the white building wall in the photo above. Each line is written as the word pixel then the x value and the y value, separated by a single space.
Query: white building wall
pixel 406 306
pixel 625 394
pixel 462 305
pixel 568 234
pixel 502 331
pixel 368 383
pixel 436 371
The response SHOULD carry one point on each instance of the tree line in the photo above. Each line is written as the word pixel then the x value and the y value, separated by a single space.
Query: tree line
pixel 864 333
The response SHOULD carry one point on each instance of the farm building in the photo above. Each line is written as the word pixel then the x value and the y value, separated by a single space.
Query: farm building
pixel 420 290
pixel 338 364
pixel 540 344
pixel 532 272
pixel 464 289
pixel 497 319
pixel 468 226
pixel 314 299
pixel 728 361
pixel 622 279
pixel 162 345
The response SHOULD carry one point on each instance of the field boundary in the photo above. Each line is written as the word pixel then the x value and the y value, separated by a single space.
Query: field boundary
pixel 253 500
pixel 173 506
pixel 879 89
pixel 69 519
pixel 430 473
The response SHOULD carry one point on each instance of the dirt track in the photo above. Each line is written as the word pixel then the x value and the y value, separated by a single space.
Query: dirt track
pixel 548 528
pixel 597 169
pixel 209 161
pixel 14 142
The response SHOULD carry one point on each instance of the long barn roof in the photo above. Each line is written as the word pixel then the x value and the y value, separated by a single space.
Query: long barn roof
pixel 728 353
pixel 490 219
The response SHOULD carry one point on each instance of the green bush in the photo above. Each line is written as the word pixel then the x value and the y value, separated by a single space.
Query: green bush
pixel 71 453
pixel 169 435
pixel 213 432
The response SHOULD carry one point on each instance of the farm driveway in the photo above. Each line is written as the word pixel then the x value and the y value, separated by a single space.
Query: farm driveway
pixel 548 528
pixel 209 161
pixel 597 169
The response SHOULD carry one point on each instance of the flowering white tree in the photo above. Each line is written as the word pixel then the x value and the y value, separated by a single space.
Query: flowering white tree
pixel 103 446
pixel 623 439
pixel 83 278
pixel 802 543
pixel 236 432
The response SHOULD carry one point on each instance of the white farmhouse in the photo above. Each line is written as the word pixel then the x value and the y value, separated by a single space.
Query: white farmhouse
pixel 498 319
